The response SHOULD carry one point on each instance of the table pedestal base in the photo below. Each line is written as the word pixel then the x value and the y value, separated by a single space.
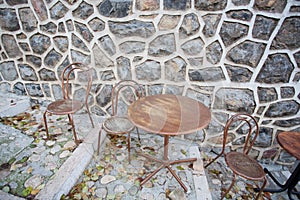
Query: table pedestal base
pixel 166 164
pixel 289 185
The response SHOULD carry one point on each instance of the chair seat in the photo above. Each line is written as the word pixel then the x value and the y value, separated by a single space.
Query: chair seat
pixel 64 106
pixel 118 125
pixel 244 166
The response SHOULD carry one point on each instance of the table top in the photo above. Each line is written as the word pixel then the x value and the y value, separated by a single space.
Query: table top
pixel 169 114
pixel 290 141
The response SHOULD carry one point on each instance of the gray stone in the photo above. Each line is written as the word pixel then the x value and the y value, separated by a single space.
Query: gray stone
pixel 132 28
pixel 16 2
pixel 61 27
pixel 115 8
pixel 131 47
pixel 97 24
pixel 61 42
pixel 232 31
pixel 190 26
pixel 27 72
pixel 238 74
pixel 19 89
pixel 162 45
pixel 197 62
pixel 282 109
pixel 263 27
pixel 47 75
pixel 9 20
pixel 124 68
pixel 34 90
pixel 39 43
pixel 107 179
pixel 147 5
pixel 49 28
pixel 193 47
pixel 175 69
pixel 34 60
pixel 8 71
pixel 176 4
pixel 149 70
pixel 203 97
pixel 29 22
pixel 173 89
pixel 244 15
pixel 273 6
pixel 214 52
pixel 83 11
pixel 84 31
pixel 211 23
pixel 40 9
pixel 288 35
pixel 104 96
pixel 168 22
pixel 276 69
pixel 101 60
pixel 52 58
pixel 210 5
pixel 108 45
pixel 58 11
pixel 236 100
pixel 177 194
pixel 34 181
pixel 107 75
pixel 78 43
pixel 206 74
pixel 266 94
pixel 248 53
pixel 78 56
pixel 264 138
pixel 10 46
pixel 287 92
pixel 240 2
pixel 24 46
pixel 288 122
pixel 101 192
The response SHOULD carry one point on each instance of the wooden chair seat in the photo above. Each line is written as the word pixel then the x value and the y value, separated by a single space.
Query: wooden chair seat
pixel 64 106
pixel 244 166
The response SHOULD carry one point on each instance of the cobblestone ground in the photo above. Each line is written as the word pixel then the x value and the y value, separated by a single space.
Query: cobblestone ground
pixel 111 176
pixel 25 173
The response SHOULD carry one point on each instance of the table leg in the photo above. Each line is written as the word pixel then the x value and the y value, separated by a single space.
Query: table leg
pixel 166 163
pixel 289 185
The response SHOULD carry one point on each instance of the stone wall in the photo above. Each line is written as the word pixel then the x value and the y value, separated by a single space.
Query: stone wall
pixel 234 55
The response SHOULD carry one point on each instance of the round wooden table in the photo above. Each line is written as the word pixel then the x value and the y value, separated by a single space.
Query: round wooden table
pixel 289 141
pixel 168 115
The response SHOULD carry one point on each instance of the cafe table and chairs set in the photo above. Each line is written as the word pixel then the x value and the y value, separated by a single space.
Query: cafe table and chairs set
pixel 173 115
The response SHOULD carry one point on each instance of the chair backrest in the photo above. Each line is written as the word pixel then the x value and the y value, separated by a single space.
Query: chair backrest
pixel 68 74
pixel 132 89
pixel 244 125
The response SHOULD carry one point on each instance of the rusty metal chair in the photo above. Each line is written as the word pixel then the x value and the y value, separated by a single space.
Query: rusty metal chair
pixel 67 105
pixel 241 163
pixel 119 123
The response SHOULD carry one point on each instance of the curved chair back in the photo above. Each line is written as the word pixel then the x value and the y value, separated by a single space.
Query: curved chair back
pixel 131 89
pixel 68 75
pixel 243 124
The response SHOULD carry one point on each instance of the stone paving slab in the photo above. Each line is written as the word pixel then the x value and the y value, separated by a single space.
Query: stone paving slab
pixel 12 142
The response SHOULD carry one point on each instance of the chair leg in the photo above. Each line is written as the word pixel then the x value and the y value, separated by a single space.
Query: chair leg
pixel 99 140
pixel 262 188
pixel 91 119
pixel 73 129
pixel 137 130
pixel 232 183
pixel 213 160
pixel 46 125
pixel 128 146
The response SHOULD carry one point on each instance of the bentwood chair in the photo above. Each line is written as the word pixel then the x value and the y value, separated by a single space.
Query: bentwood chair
pixel 241 163
pixel 68 105
pixel 118 123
